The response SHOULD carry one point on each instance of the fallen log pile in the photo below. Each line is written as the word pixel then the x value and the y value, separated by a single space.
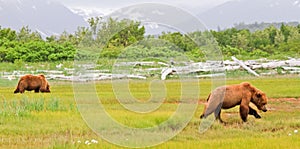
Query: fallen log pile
pixel 142 70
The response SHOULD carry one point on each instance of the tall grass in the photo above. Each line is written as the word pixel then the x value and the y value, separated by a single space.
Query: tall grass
pixel 25 106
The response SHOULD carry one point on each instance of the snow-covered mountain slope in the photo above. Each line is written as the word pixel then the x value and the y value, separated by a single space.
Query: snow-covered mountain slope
pixel 45 16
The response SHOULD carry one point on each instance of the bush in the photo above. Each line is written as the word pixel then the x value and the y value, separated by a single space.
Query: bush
pixel 36 51
pixel 259 53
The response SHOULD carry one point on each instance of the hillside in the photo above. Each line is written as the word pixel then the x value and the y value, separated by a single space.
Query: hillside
pixel 251 11
pixel 46 17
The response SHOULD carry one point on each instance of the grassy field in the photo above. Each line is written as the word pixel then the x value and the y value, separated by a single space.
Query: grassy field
pixel 53 121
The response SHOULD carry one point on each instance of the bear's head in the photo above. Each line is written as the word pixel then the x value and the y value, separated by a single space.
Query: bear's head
pixel 260 99
pixel 47 88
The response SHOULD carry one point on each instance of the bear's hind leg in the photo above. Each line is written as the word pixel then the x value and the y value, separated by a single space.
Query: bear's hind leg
pixel 204 110
pixel 218 113
pixel 218 116
pixel 202 116
pixel 208 109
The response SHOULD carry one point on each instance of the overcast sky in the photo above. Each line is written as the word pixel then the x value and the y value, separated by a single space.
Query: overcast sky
pixel 194 6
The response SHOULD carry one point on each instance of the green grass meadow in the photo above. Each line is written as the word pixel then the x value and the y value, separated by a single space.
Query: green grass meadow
pixel 51 120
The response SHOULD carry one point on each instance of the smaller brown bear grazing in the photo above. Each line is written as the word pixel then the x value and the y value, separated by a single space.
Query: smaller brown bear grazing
pixel 30 82
pixel 226 97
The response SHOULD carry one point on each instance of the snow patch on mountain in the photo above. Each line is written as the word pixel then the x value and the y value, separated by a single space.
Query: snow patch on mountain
pixel 87 13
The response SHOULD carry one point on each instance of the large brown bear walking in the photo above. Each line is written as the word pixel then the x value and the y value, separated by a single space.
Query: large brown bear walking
pixel 30 82
pixel 226 97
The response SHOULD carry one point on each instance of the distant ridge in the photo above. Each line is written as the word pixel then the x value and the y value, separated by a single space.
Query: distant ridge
pixel 251 11
pixel 45 16
pixel 261 26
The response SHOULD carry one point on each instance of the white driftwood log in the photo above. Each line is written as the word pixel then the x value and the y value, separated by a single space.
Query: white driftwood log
pixel 244 66
pixel 273 64
pixel 166 72
pixel 211 75
pixel 290 66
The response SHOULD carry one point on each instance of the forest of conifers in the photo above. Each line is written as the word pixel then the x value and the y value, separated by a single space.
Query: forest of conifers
pixel 112 36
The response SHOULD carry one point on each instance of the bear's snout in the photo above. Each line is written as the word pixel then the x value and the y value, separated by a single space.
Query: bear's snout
pixel 264 109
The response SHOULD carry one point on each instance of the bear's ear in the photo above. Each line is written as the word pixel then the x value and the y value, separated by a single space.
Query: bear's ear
pixel 258 94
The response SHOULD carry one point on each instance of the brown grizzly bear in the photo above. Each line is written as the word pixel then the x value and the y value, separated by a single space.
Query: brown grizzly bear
pixel 31 82
pixel 226 97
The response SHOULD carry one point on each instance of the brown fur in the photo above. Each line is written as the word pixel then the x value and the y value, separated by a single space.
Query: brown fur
pixel 226 97
pixel 30 82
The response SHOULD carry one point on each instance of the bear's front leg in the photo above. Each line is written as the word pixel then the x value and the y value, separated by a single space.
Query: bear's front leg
pixel 37 90
pixel 254 113
pixel 244 110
